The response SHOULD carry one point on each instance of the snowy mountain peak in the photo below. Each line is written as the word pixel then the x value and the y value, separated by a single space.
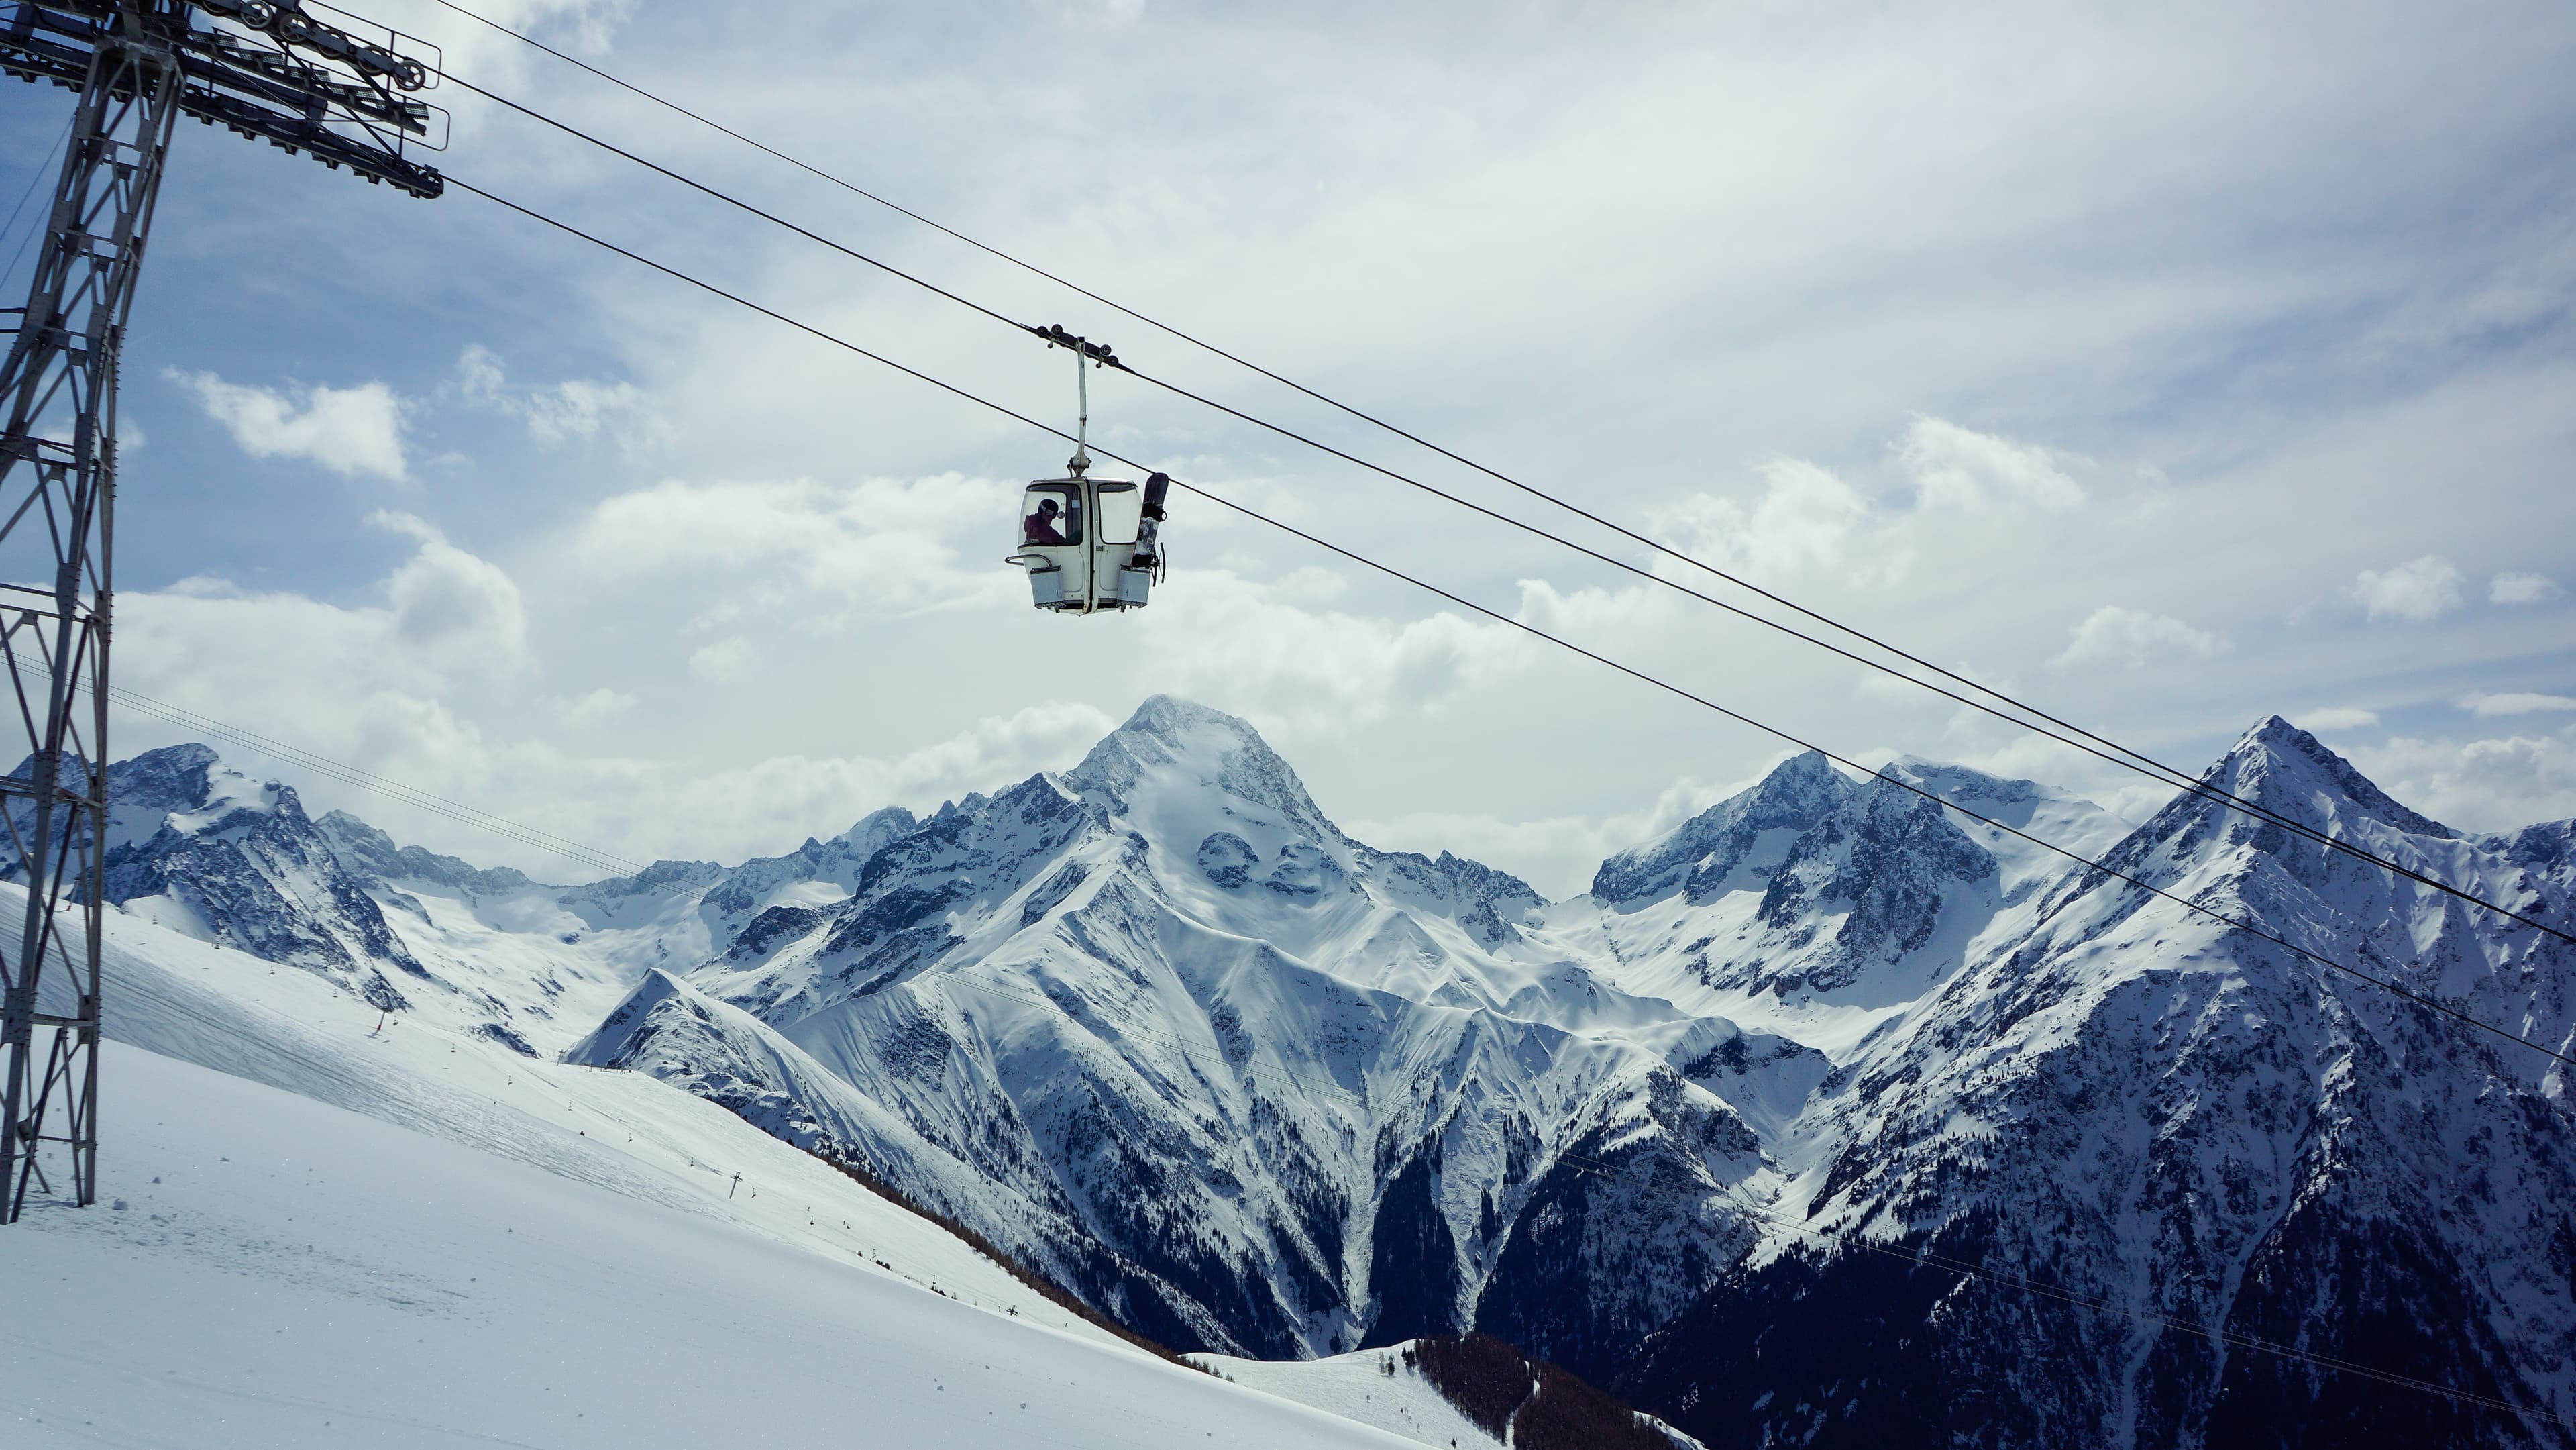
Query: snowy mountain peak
pixel 373 853
pixel 1176 745
pixel 2283 768
pixel 1964 785
pixel 1701 854
pixel 173 778
pixel 873 829
pixel 187 789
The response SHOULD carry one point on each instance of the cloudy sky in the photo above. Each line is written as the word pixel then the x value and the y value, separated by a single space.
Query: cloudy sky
pixel 2173 366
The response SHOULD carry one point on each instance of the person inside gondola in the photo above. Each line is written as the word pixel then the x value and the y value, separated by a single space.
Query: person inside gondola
pixel 1042 524
pixel 1052 524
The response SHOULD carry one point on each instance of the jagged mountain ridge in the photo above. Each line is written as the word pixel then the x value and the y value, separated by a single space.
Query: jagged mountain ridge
pixel 1164 992
pixel 1251 1084
pixel 2120 1097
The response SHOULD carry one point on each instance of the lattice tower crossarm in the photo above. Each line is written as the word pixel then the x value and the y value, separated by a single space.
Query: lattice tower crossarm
pixel 58 487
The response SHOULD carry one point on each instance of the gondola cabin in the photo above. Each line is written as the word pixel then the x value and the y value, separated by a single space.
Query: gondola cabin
pixel 1089 543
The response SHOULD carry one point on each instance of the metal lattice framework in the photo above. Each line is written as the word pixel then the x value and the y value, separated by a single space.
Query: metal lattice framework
pixel 138 66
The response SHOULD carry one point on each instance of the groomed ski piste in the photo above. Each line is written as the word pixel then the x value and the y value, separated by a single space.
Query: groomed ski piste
pixel 315 1232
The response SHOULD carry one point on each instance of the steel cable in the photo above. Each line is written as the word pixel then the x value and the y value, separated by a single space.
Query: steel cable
pixel 2102 868
pixel 2080 740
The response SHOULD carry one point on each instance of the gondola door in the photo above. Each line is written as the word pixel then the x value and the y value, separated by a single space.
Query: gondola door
pixel 1056 543
pixel 1117 510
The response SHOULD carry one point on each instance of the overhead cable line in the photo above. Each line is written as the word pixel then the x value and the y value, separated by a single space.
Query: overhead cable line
pixel 1925 1257
pixel 2081 740
pixel 2100 867
pixel 44 168
pixel 2123 756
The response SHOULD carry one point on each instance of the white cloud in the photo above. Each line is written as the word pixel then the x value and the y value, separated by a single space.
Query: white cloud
pixel 591 22
pixel 1557 855
pixel 998 749
pixel 448 624
pixel 1237 644
pixel 2136 802
pixel 2419 589
pixel 1806 521
pixel 347 430
pixel 576 408
pixel 584 27
pixel 454 610
pixel 2339 717
pixel 600 705
pixel 2134 638
pixel 725 661
pixel 1955 467
pixel 2522 589
pixel 2480 785
pixel 815 556
pixel 2511 704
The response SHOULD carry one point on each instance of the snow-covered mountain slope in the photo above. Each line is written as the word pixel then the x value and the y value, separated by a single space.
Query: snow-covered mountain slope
pixel 1388 1388
pixel 1277 1091
pixel 274 1272
pixel 1157 1025
pixel 1373 1387
pixel 212 853
pixel 623 1132
pixel 218 855
pixel 2122 1098
pixel 1817 905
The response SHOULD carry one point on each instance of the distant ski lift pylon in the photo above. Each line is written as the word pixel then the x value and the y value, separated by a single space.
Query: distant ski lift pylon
pixel 1089 544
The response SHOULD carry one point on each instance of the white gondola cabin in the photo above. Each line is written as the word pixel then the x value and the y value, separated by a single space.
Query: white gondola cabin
pixel 1090 544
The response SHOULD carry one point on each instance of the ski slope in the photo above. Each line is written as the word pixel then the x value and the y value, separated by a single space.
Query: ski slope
pixel 1358 1387
pixel 471 1248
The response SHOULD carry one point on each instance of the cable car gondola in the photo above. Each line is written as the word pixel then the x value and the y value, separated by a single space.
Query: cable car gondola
pixel 1089 544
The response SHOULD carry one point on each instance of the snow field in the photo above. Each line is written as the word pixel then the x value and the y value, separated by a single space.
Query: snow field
pixel 624 1132
pixel 1357 1387
pixel 286 1273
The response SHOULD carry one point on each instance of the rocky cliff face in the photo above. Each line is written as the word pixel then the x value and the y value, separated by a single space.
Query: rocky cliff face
pixel 215 854
pixel 1722 1132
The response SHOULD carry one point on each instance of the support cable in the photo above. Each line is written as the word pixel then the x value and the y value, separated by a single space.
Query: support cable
pixel 2101 868
pixel 2134 760
pixel 2080 740
pixel 44 168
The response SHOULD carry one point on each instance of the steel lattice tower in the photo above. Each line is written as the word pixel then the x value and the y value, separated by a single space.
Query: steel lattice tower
pixel 138 66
